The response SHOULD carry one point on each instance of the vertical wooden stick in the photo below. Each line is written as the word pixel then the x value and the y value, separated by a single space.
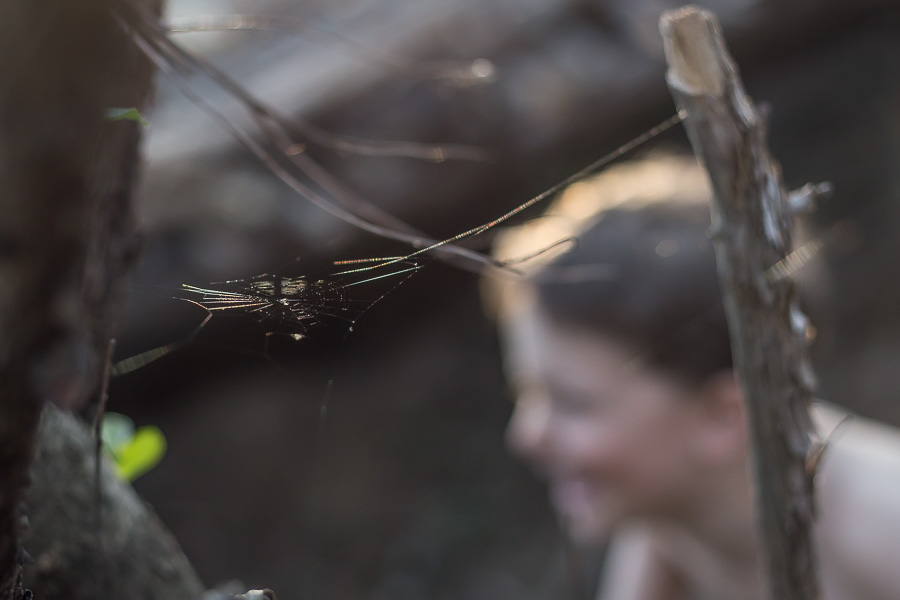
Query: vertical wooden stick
pixel 752 229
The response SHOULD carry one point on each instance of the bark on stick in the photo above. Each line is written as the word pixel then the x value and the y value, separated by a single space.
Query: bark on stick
pixel 752 230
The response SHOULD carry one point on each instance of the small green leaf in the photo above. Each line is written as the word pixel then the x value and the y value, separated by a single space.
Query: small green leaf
pixel 126 114
pixel 116 432
pixel 146 449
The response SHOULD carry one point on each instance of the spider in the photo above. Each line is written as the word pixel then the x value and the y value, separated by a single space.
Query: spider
pixel 291 305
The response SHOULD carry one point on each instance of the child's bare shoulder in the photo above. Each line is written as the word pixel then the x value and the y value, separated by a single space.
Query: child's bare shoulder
pixel 637 567
pixel 659 562
pixel 858 493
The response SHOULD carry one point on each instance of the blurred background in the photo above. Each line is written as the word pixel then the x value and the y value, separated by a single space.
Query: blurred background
pixel 406 491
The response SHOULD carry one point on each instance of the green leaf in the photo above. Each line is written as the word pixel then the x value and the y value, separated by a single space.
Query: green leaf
pixel 117 431
pixel 126 114
pixel 144 452
pixel 134 452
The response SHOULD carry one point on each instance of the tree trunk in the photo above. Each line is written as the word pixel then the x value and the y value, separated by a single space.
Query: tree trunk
pixel 66 240
pixel 752 231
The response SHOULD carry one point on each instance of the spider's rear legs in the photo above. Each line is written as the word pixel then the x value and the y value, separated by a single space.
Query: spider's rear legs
pixel 134 363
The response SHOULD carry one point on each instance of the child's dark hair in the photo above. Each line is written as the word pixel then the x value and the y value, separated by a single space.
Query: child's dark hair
pixel 662 298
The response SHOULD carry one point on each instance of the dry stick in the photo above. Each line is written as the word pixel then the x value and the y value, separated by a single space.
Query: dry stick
pixel 178 64
pixel 98 446
pixel 103 579
pixel 751 229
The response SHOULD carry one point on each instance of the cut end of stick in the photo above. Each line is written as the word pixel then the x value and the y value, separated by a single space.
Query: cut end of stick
pixel 691 39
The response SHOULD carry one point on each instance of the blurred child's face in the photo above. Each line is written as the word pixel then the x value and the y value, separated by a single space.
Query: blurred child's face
pixel 612 438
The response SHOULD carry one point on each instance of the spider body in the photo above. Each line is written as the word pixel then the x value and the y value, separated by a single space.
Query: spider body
pixel 292 304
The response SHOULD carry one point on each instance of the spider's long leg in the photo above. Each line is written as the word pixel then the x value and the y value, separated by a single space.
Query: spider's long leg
pixel 128 365
pixel 391 274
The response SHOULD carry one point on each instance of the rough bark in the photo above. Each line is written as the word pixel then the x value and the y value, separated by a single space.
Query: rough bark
pixel 752 229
